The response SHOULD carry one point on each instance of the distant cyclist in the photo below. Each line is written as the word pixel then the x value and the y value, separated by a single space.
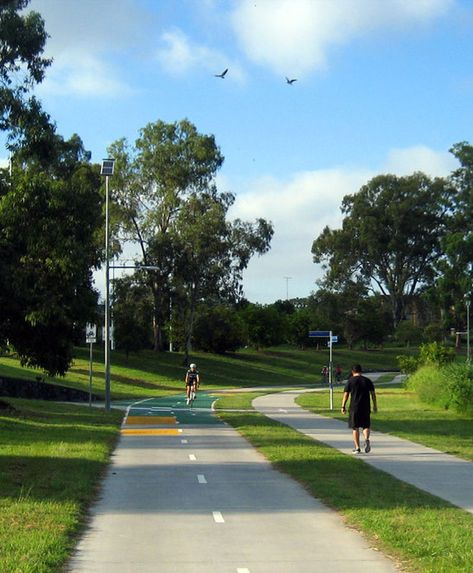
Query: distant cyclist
pixel 192 382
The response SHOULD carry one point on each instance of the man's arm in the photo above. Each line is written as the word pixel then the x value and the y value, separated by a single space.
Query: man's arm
pixel 344 401
pixel 375 403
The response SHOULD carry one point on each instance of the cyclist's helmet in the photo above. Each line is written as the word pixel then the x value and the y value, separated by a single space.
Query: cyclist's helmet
pixel 192 366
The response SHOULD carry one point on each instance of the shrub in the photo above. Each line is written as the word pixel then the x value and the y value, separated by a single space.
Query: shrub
pixel 460 384
pixel 431 386
pixel 450 386
pixel 435 353
pixel 408 364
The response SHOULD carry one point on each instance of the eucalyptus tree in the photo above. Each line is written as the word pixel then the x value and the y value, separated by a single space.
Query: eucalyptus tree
pixel 168 204
pixel 391 237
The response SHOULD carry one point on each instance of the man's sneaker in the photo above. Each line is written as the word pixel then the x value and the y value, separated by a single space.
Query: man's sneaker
pixel 187 401
pixel 367 447
pixel 356 451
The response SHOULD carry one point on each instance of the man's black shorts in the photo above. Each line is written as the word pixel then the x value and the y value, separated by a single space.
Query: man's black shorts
pixel 359 420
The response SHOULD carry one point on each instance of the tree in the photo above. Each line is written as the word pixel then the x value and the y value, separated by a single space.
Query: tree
pixel 390 238
pixel 48 248
pixel 152 180
pixel 21 66
pixel 266 326
pixel 169 206
pixel 211 254
pixel 453 285
pixel 132 305
pixel 219 329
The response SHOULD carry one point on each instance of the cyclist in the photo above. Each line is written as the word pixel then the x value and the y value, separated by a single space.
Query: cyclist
pixel 192 382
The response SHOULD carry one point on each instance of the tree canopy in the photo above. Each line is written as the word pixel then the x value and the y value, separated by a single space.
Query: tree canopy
pixel 391 237
pixel 169 205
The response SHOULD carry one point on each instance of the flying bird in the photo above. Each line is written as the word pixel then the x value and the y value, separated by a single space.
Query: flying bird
pixel 290 82
pixel 222 75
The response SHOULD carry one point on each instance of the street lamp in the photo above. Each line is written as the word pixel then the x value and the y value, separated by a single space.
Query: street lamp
pixel 468 302
pixel 107 171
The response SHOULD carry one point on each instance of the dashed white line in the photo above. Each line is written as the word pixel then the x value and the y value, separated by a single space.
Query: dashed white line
pixel 242 570
pixel 183 441
pixel 283 410
pixel 201 478
pixel 218 517
pixel 192 457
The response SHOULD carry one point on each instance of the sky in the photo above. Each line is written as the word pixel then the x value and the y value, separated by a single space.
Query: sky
pixel 383 86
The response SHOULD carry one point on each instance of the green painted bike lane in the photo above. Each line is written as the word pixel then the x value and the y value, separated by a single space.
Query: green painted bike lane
pixel 200 413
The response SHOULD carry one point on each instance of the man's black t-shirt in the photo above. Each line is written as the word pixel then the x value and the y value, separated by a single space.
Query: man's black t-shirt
pixel 359 388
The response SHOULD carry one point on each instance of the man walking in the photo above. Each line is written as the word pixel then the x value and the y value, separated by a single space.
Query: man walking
pixel 359 388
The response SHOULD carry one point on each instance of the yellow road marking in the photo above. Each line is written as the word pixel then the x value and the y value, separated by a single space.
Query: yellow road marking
pixel 150 420
pixel 150 432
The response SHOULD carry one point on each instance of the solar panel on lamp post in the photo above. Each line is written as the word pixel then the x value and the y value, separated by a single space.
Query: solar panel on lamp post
pixel 107 170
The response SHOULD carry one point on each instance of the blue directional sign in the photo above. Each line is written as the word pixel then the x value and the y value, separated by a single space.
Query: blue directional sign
pixel 334 338
pixel 319 333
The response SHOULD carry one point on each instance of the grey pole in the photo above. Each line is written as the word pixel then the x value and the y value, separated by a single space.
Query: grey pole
pixel 287 287
pixel 330 380
pixel 90 375
pixel 107 170
pixel 468 331
pixel 107 303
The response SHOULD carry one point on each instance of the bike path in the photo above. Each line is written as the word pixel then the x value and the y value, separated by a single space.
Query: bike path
pixel 202 500
pixel 440 474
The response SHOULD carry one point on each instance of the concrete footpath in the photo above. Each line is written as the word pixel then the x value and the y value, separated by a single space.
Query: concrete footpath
pixel 440 474
pixel 191 497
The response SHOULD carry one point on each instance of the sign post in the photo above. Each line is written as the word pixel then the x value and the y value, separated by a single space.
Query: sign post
pixel 90 338
pixel 331 339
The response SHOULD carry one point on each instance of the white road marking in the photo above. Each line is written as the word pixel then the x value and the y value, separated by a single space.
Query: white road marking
pixel 201 478
pixel 283 410
pixel 183 441
pixel 218 517
pixel 242 570
pixel 192 457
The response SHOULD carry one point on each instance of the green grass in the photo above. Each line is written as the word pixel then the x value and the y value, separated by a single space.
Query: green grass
pixel 423 532
pixel 237 401
pixel 52 457
pixel 149 374
pixel 401 412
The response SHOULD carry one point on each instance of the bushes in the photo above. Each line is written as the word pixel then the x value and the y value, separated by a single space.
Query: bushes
pixel 448 386
pixel 432 353
pixel 460 384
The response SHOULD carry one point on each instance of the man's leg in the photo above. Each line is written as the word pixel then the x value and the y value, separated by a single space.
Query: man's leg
pixel 356 438
pixel 366 434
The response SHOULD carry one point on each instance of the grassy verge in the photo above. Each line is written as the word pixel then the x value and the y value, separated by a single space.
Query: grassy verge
pixel 237 401
pixel 403 414
pixel 149 374
pixel 52 457
pixel 423 532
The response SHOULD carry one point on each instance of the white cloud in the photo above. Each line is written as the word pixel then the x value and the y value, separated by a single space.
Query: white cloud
pixel 293 36
pixel 84 38
pixel 302 206
pixel 420 158
pixel 179 56
pixel 83 75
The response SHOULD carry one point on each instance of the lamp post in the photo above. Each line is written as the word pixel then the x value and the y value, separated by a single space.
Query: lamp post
pixel 287 286
pixel 468 302
pixel 107 171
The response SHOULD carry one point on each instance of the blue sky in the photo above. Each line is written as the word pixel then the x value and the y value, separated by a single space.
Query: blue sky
pixel 382 86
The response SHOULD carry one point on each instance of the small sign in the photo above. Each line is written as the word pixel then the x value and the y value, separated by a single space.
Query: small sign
pixel 319 333
pixel 334 339
pixel 91 333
